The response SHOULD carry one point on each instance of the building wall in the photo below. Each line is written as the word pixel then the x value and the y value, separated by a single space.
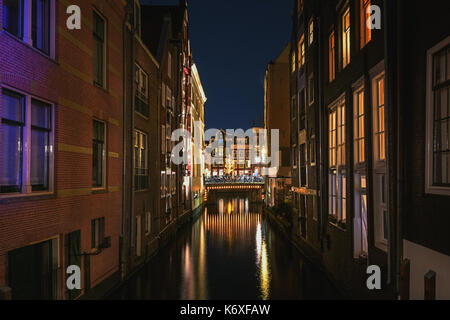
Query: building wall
pixel 198 115
pixel 277 117
pixel 424 216
pixel 73 203
pixel 146 200
pixel 333 243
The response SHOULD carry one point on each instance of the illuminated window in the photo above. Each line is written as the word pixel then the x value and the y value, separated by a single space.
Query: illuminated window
pixel 140 161
pixel 13 17
pixel 366 32
pixel 358 99
pixel 331 57
pixel 301 52
pixel 379 119
pixel 346 38
pixel 311 32
pixel 337 180
pixel 36 32
pixel 332 138
pixel 12 128
pixel 41 25
pixel 20 166
pixel 360 228
pixel 141 96
pixel 293 62
pixel 41 130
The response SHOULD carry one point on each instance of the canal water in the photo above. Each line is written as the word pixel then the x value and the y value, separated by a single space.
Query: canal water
pixel 230 252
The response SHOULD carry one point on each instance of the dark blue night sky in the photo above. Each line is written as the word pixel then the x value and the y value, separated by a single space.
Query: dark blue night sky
pixel 232 42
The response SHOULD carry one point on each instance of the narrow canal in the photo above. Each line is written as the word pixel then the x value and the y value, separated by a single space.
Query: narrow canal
pixel 229 252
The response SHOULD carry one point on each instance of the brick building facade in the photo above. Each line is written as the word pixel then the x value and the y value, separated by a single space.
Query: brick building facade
pixel 378 166
pixel 61 140
pixel 276 116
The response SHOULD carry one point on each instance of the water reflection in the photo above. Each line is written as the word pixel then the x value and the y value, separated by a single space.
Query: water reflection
pixel 230 252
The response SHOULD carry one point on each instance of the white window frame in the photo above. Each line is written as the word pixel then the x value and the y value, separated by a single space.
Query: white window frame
pixel 359 155
pixel 378 161
pixel 26 190
pixel 337 171
pixel 360 245
pixel 311 31
pixel 430 188
pixel 379 165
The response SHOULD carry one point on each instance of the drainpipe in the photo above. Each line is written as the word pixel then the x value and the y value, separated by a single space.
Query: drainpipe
pixel 319 137
pixel 133 106
pixel 394 241
pixel 400 166
pixel 124 245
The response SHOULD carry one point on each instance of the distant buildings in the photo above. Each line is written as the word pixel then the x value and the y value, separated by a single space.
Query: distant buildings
pixel 235 155
pixel 87 116
pixel 198 138
pixel 277 117
pixel 369 144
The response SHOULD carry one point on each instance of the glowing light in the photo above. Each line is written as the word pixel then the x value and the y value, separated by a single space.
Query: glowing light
pixel 265 273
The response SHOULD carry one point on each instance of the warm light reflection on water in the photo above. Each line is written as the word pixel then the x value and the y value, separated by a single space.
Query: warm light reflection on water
pixel 229 252
pixel 262 262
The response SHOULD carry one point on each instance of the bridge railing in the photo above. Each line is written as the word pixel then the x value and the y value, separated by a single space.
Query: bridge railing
pixel 234 180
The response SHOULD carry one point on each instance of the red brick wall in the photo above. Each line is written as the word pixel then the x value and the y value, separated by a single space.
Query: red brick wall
pixel 65 82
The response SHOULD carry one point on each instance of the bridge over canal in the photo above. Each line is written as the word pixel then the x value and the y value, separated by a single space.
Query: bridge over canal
pixel 217 187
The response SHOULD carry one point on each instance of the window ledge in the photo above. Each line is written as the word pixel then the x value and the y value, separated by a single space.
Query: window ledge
pixel 337 226
pixel 17 197
pixel 439 191
pixel 101 87
pixel 142 191
pixel 99 190
pixel 382 245
pixel 142 115
pixel 27 45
